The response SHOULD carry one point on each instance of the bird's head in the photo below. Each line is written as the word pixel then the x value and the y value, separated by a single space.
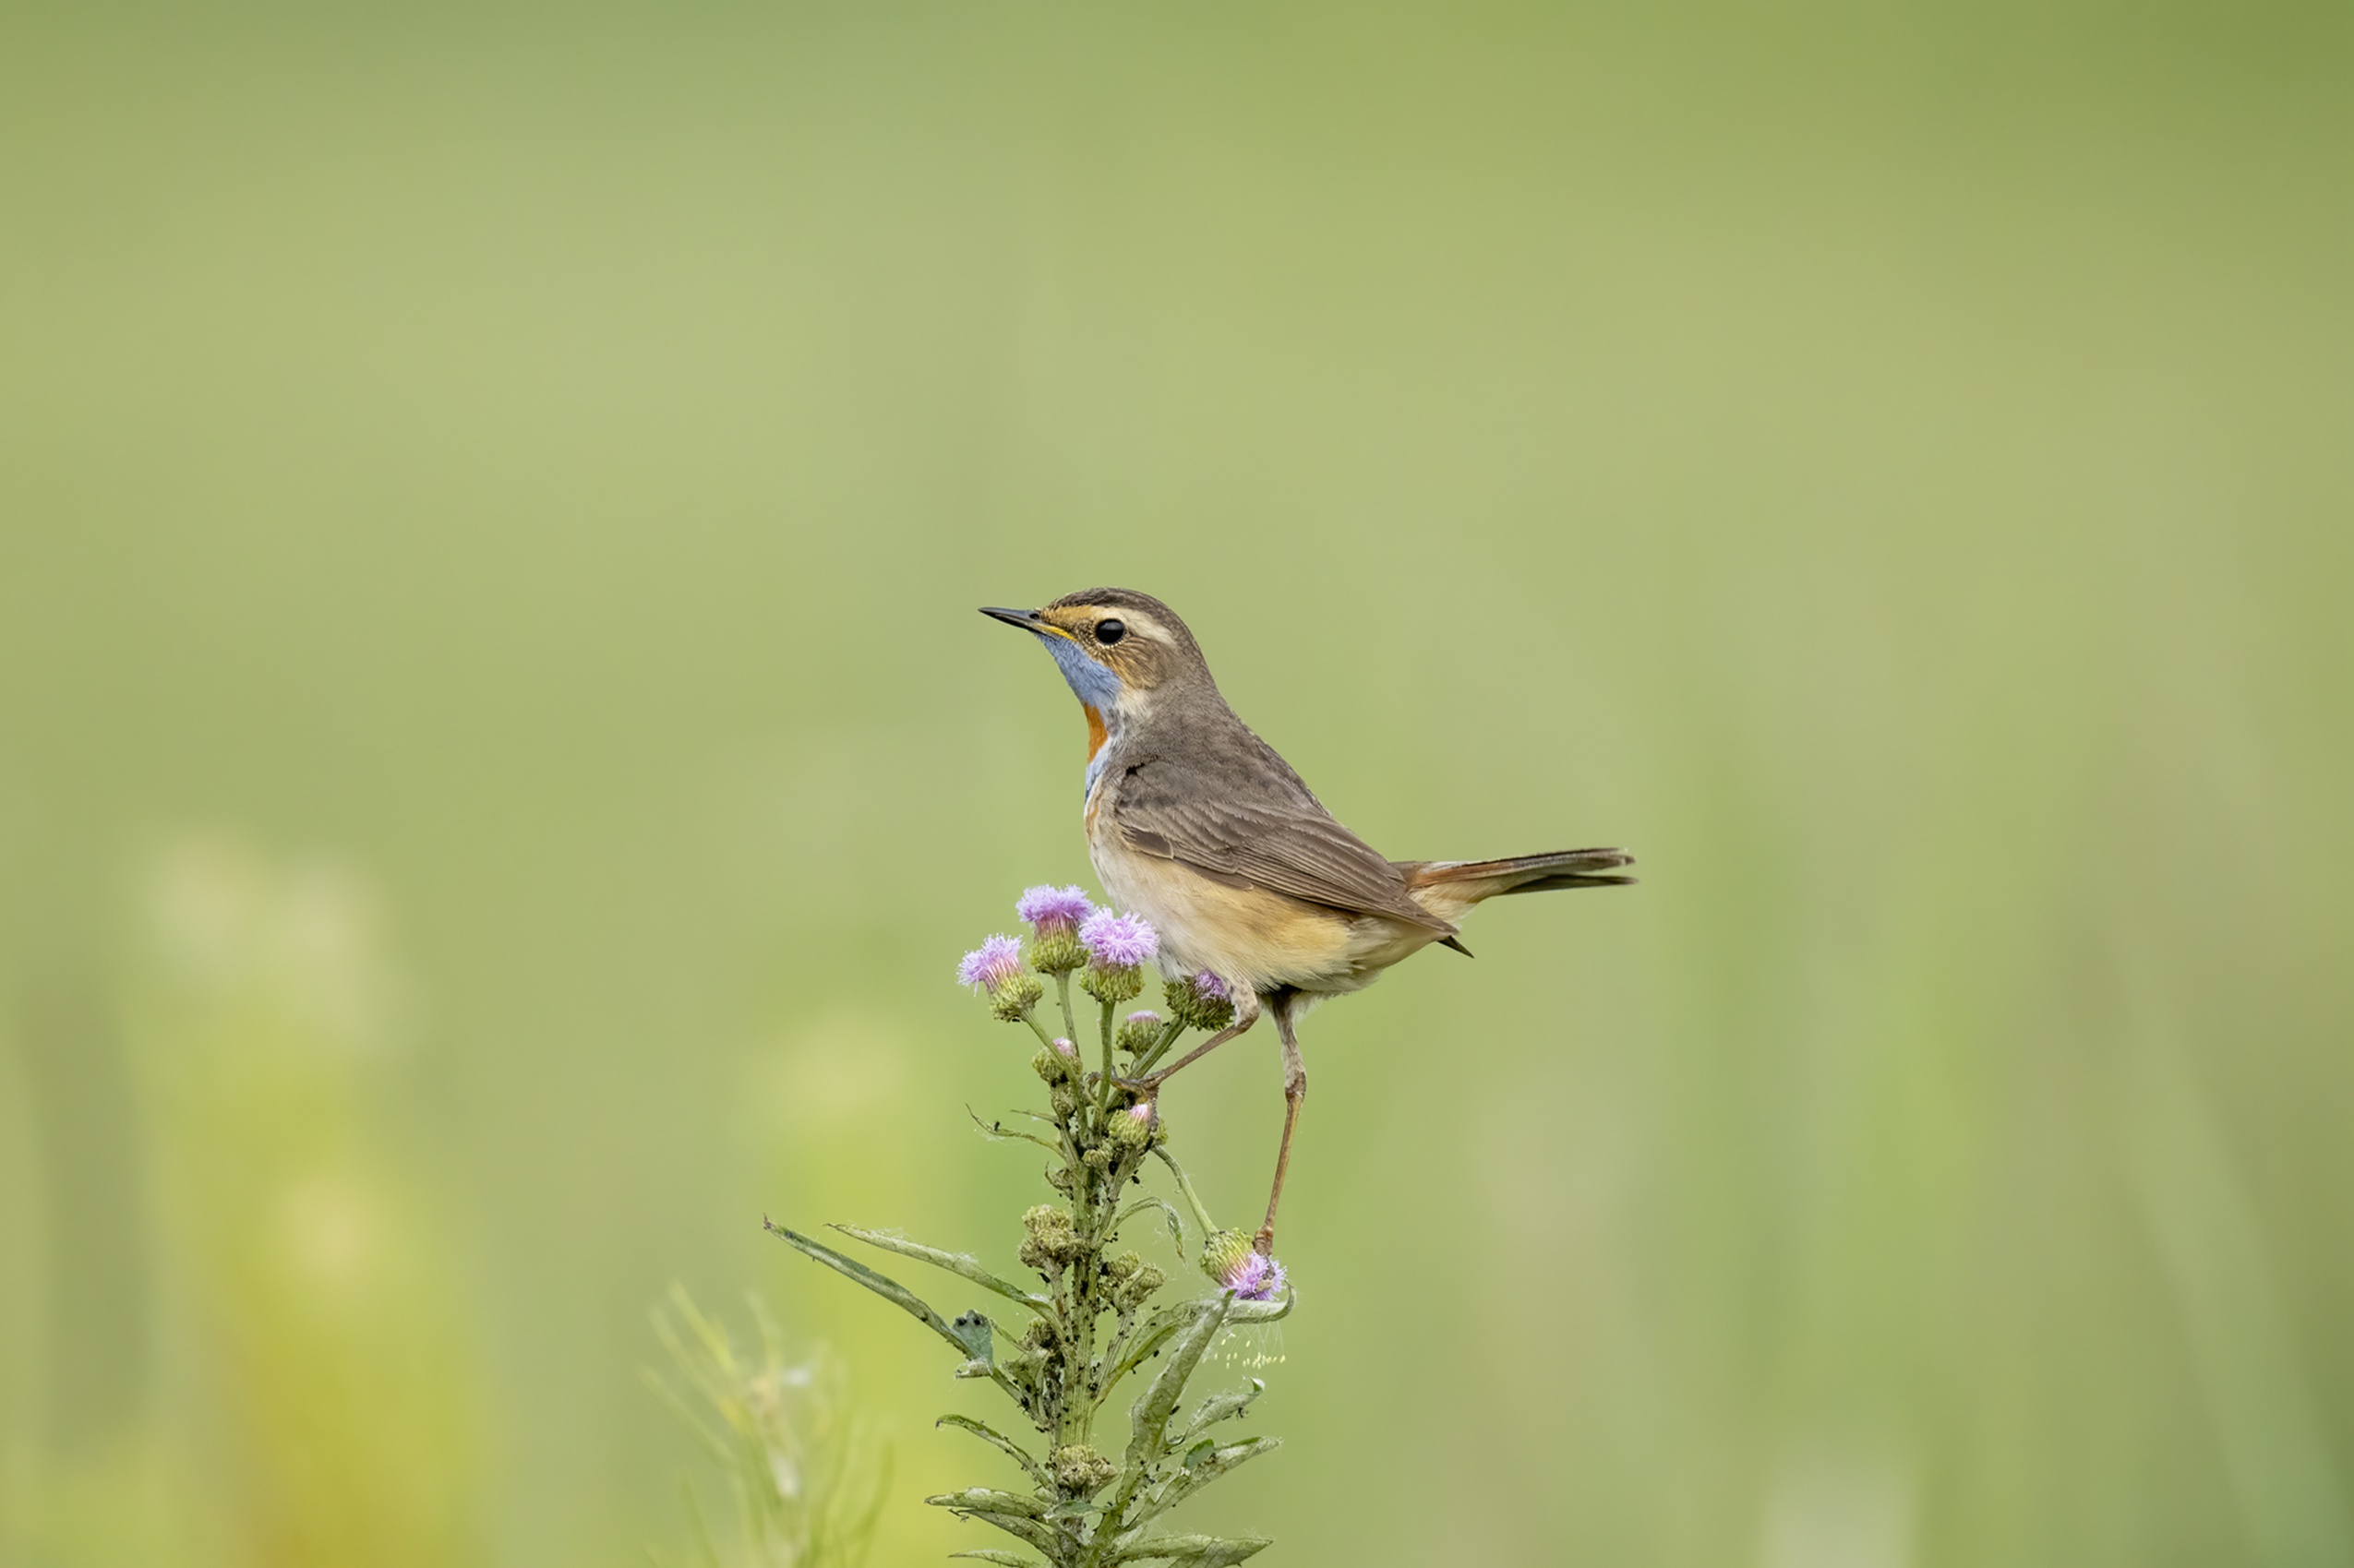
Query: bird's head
pixel 1119 648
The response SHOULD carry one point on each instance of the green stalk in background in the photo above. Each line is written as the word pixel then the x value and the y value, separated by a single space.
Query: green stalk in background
pixel 807 1481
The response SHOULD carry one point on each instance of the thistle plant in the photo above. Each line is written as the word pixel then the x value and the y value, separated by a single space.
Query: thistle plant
pixel 1093 1330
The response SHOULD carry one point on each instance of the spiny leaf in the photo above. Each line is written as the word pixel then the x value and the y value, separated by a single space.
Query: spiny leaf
pixel 998 1439
pixel 985 1554
pixel 954 1263
pixel 1194 1551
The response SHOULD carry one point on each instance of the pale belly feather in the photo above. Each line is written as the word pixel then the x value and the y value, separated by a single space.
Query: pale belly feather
pixel 1246 934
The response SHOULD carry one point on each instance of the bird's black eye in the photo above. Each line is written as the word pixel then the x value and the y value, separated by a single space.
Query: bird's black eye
pixel 1110 633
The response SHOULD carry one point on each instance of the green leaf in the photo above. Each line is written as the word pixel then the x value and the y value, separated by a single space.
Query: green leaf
pixel 1199 1473
pixel 1176 1225
pixel 999 1441
pixel 1150 1335
pixel 1261 1311
pixel 1194 1551
pixel 883 1285
pixel 954 1263
pixel 986 1500
pixel 997 1132
pixel 1218 1407
pixel 1017 1516
pixel 984 1554
pixel 1148 1417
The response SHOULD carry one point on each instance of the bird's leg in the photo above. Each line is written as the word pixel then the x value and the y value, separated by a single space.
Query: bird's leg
pixel 1295 1092
pixel 1246 1012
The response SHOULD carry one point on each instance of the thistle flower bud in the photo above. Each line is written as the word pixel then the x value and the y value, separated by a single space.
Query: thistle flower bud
pixel 1048 910
pixel 1134 1291
pixel 1131 1128
pixel 1082 1471
pixel 1053 916
pixel 1011 1003
pixel 1139 1032
pixel 1199 1001
pixel 1051 1242
pixel 1229 1258
pixel 989 966
pixel 1057 1063
pixel 994 969
pixel 1118 946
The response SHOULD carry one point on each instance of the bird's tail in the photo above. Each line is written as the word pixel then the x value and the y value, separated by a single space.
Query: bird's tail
pixel 1447 887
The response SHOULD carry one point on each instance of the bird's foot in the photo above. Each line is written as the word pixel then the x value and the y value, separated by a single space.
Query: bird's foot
pixel 1146 1088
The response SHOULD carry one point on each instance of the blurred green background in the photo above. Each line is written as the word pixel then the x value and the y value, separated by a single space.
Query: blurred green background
pixel 498 760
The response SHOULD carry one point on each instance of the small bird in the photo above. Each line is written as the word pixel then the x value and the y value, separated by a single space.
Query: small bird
pixel 1194 822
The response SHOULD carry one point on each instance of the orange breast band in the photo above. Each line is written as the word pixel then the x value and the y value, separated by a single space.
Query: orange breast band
pixel 1096 731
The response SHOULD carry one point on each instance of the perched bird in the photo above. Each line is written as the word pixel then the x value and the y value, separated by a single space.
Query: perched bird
pixel 1196 824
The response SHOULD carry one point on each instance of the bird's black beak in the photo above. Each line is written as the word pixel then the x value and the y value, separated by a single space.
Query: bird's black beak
pixel 1026 619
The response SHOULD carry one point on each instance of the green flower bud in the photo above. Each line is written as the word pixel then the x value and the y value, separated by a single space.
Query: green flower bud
pixel 1133 1281
pixel 1139 1032
pixel 1113 985
pixel 1199 1001
pixel 1225 1253
pixel 1082 1471
pixel 1051 1242
pixel 1057 952
pixel 1233 1261
pixel 1131 1128
pixel 1059 1064
pixel 1010 1000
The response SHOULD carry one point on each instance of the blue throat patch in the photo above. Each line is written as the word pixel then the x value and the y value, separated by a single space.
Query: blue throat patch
pixel 1093 685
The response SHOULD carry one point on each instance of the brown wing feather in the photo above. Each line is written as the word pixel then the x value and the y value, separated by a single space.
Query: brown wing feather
pixel 1287 846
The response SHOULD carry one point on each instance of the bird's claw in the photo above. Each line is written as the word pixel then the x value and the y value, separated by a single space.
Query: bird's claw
pixel 1146 1088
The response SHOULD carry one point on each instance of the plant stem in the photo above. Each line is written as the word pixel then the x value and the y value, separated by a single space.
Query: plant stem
pixel 1186 1185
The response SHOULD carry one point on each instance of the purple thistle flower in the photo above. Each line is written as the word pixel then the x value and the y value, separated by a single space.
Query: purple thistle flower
pixel 1066 1047
pixel 1118 941
pixel 1212 986
pixel 1253 1277
pixel 1142 1111
pixel 1145 1018
pixel 1052 912
pixel 991 964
